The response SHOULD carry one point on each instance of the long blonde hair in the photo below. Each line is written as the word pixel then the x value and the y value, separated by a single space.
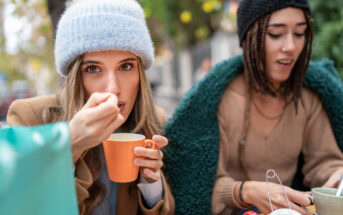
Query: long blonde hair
pixel 142 119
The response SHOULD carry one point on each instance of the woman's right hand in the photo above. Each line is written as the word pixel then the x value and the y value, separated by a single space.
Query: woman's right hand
pixel 255 193
pixel 94 123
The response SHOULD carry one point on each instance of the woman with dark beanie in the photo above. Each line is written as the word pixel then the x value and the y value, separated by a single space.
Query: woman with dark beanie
pixel 255 113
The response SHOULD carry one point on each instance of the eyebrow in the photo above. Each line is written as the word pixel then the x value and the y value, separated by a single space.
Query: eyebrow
pixel 283 25
pixel 97 62
pixel 90 62
pixel 128 59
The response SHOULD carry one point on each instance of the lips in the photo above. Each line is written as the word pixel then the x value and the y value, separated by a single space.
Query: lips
pixel 285 62
pixel 121 106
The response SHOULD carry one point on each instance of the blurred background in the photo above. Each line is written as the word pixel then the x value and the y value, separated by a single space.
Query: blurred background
pixel 189 37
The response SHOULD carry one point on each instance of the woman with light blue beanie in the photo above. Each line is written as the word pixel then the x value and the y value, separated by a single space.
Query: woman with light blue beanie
pixel 102 48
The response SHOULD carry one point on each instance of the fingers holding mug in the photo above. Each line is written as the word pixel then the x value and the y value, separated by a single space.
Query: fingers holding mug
pixel 150 160
pixel 150 164
pixel 150 175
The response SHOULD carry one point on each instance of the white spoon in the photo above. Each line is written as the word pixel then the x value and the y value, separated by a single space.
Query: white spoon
pixel 340 187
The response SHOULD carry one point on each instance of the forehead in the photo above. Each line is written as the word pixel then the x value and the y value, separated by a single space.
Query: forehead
pixel 289 15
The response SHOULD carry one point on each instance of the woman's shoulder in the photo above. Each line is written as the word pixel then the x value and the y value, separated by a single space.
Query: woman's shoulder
pixel 238 85
pixel 310 99
pixel 29 111
pixel 161 115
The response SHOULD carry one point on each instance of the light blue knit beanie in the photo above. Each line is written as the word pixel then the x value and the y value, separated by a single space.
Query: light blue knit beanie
pixel 94 25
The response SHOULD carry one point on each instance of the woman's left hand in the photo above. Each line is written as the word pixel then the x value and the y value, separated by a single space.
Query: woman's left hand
pixel 334 179
pixel 152 162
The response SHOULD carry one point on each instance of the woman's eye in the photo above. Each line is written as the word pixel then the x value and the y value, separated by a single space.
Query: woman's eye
pixel 299 34
pixel 275 36
pixel 126 67
pixel 92 69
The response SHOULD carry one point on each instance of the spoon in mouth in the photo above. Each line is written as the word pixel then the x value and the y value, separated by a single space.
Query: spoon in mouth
pixel 340 187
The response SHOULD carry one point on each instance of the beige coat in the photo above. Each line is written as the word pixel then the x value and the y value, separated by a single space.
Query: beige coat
pixel 28 112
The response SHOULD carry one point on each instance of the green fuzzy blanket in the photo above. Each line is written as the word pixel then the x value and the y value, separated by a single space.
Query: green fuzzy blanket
pixel 193 131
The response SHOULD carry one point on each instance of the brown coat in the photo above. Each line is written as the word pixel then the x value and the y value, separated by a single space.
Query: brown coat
pixel 28 112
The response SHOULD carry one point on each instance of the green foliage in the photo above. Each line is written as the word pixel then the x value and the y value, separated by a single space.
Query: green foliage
pixel 38 47
pixel 10 65
pixel 184 32
pixel 328 24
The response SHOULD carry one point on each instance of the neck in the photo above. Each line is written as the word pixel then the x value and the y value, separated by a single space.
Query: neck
pixel 265 98
pixel 266 106
pixel 275 85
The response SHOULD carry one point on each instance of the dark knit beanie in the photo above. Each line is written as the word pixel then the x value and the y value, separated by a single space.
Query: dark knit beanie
pixel 250 11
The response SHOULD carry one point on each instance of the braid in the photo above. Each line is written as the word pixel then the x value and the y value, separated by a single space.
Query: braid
pixel 254 57
pixel 294 83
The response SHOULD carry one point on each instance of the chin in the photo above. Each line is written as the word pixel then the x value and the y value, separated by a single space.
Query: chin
pixel 125 116
pixel 281 78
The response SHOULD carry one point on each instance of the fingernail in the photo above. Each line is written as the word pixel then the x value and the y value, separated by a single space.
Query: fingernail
pixel 158 137
pixel 136 161
pixel 137 150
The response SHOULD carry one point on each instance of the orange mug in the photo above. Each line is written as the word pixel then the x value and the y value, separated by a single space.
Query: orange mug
pixel 119 155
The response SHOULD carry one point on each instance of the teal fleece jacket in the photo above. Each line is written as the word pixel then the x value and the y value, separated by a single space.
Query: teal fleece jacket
pixel 193 131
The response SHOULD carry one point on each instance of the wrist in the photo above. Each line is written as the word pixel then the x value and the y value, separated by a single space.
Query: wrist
pixel 240 194
pixel 75 144
pixel 248 196
pixel 75 151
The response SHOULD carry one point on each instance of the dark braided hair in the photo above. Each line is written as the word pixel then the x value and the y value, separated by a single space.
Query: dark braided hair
pixel 254 62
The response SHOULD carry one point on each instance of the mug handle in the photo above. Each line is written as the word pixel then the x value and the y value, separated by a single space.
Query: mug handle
pixel 147 141
pixel 307 209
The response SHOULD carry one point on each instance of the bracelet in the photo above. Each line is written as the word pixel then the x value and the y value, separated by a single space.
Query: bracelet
pixel 240 195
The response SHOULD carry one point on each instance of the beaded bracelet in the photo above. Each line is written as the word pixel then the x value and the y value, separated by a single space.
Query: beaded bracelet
pixel 240 195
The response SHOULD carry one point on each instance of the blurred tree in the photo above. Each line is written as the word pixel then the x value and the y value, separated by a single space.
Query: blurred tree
pixel 8 64
pixel 187 22
pixel 328 23
pixel 7 61
pixel 155 11
pixel 55 9
pixel 34 43
pixel 2 31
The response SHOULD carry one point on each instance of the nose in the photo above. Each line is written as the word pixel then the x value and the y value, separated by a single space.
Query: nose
pixel 289 44
pixel 112 84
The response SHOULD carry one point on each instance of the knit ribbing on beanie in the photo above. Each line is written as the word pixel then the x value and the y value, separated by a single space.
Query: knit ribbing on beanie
pixel 95 25
pixel 250 11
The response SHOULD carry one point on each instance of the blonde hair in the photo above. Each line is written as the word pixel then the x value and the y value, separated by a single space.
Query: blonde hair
pixel 142 119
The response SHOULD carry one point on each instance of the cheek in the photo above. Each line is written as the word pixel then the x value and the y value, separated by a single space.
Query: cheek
pixel 87 85
pixel 271 48
pixel 94 83
pixel 136 85
pixel 269 55
pixel 301 46
pixel 133 84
